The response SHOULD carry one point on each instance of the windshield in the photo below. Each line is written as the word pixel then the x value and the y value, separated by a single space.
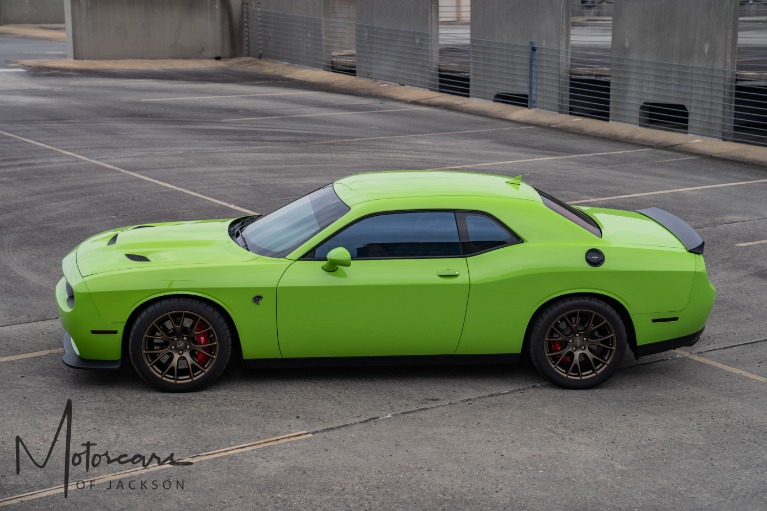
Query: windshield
pixel 282 231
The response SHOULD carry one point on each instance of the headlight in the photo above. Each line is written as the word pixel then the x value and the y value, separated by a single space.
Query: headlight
pixel 70 296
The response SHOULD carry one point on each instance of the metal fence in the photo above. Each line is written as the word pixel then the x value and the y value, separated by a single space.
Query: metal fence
pixel 583 78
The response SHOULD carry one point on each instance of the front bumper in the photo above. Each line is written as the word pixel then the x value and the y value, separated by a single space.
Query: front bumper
pixel 72 359
pixel 94 338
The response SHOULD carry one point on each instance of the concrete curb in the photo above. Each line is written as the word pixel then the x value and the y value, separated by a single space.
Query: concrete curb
pixel 691 144
pixel 47 31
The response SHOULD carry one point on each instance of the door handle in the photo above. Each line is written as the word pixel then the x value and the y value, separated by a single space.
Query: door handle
pixel 448 273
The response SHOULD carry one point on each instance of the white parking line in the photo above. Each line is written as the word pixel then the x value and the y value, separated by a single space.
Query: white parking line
pixel 751 243
pixel 727 368
pixel 13 70
pixel 545 158
pixel 128 172
pixel 322 115
pixel 435 134
pixel 662 192
pixel 31 355
pixel 197 458
pixel 235 96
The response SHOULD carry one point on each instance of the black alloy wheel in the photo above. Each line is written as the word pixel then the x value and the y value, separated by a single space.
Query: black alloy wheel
pixel 180 344
pixel 578 342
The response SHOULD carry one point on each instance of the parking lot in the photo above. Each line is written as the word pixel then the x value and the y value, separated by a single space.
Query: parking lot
pixel 81 152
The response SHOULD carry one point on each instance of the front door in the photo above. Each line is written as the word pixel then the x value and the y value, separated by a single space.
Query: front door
pixel 405 292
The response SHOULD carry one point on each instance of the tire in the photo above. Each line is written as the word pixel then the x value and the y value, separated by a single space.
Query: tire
pixel 577 343
pixel 180 344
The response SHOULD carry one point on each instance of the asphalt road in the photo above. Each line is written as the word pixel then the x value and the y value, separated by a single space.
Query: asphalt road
pixel 76 152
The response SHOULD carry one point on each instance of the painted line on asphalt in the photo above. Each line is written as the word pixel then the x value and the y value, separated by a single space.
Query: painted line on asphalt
pixel 545 158
pixel 197 458
pixel 322 115
pixel 13 70
pixel 30 322
pixel 31 355
pixel 128 172
pixel 663 192
pixel 611 166
pixel 436 134
pixel 719 365
pixel 188 98
pixel 751 243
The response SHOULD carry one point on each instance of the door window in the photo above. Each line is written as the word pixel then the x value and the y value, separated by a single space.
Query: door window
pixel 406 235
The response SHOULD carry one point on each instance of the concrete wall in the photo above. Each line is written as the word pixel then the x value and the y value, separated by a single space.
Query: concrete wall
pixel 398 41
pixel 31 11
pixel 151 29
pixel 691 48
pixel 501 31
pixel 293 31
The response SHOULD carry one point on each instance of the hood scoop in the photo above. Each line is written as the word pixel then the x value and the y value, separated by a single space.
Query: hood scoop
pixel 137 258
pixel 113 240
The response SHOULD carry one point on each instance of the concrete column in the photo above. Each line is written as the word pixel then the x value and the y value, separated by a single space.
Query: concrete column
pixel 398 41
pixel 341 28
pixel 675 52
pixel 252 39
pixel 148 29
pixel 293 31
pixel 501 32
pixel 31 11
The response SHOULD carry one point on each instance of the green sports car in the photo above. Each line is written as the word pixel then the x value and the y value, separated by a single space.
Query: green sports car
pixel 389 267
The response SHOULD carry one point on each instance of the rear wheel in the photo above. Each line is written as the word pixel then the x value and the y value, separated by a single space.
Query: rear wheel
pixel 578 343
pixel 180 344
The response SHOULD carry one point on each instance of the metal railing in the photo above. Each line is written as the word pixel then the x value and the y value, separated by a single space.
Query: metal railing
pixel 584 80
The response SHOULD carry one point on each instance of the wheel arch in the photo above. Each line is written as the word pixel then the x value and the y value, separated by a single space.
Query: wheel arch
pixel 223 310
pixel 612 301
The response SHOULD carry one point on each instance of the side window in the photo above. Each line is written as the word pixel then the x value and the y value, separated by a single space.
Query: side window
pixel 484 233
pixel 416 234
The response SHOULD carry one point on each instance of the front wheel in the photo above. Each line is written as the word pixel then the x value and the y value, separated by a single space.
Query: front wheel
pixel 180 344
pixel 578 343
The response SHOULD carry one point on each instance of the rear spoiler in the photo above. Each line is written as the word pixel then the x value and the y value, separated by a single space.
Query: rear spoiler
pixel 678 227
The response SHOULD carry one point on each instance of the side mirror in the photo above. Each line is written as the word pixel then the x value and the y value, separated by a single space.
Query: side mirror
pixel 339 256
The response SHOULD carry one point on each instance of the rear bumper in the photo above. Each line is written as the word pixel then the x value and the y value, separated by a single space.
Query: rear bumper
pixel 671 344
pixel 72 359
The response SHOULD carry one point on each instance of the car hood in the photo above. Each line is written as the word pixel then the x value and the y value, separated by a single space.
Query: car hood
pixel 152 245
pixel 631 228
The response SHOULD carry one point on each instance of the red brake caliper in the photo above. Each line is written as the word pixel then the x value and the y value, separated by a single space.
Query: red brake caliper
pixel 201 339
pixel 556 347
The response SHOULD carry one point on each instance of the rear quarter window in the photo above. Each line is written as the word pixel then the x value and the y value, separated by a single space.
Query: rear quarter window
pixel 576 216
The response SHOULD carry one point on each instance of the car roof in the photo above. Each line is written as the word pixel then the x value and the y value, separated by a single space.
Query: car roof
pixel 426 183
